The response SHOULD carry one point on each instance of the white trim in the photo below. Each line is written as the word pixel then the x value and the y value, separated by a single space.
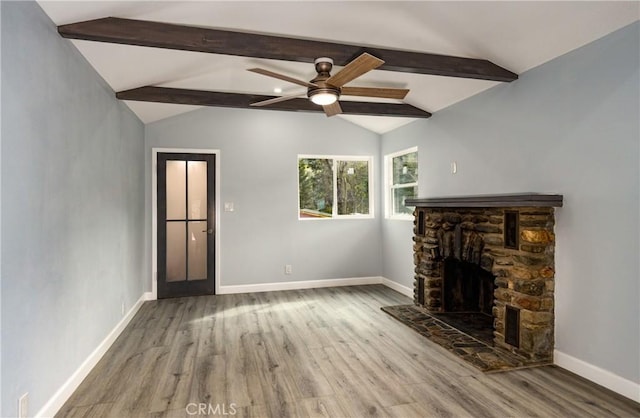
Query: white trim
pixel 402 152
pixel 154 212
pixel 56 402
pixel 404 290
pixel 313 284
pixel 597 375
pixel 305 284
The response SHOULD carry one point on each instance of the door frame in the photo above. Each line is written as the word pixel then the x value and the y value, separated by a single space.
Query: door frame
pixel 154 212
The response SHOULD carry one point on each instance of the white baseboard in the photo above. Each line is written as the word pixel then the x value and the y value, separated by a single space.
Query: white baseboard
pixel 54 404
pixel 311 284
pixel 306 284
pixel 597 375
pixel 407 291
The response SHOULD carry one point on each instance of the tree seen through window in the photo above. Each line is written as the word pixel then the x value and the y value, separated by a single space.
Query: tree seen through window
pixel 330 187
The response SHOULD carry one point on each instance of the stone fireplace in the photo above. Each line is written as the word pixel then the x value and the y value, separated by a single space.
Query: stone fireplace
pixel 485 265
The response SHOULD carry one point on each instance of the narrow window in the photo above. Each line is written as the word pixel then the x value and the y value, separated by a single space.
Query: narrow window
pixel 511 230
pixel 512 326
pixel 401 173
pixel 421 223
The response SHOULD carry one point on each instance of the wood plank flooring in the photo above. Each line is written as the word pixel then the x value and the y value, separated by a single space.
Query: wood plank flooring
pixel 327 352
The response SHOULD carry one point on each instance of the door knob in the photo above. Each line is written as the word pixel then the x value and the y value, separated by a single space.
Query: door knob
pixel 208 231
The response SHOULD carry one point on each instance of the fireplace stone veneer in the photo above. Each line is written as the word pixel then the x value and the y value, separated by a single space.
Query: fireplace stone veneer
pixel 510 237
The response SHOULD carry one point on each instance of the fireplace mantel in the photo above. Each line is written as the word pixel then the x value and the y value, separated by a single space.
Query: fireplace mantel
pixel 513 200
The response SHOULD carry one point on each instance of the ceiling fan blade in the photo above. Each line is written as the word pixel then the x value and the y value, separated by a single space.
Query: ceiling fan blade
pixel 277 100
pixel 361 65
pixel 282 77
pixel 383 92
pixel 332 109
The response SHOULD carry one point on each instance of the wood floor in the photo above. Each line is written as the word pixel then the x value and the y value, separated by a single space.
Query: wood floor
pixel 311 353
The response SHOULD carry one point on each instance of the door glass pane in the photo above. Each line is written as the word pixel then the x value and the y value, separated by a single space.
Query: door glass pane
pixel 176 189
pixel 197 245
pixel 197 189
pixel 176 252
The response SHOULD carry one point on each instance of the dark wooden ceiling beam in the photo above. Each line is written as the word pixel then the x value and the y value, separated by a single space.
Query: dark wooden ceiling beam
pixel 243 101
pixel 190 38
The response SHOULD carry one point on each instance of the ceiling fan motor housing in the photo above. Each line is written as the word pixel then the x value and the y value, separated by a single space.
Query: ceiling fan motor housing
pixel 323 68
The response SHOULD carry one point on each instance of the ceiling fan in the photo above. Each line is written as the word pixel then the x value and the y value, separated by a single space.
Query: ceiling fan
pixel 325 89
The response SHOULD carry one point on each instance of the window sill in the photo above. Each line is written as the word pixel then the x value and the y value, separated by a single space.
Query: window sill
pixel 336 218
pixel 400 218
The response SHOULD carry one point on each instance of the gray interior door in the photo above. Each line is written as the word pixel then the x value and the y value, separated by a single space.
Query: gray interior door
pixel 186 224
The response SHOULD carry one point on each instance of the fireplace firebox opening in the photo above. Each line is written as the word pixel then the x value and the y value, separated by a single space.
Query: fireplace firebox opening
pixel 467 287
pixel 467 298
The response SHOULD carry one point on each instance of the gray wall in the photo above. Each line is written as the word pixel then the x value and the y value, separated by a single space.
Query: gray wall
pixel 0 227
pixel 72 208
pixel 569 126
pixel 259 150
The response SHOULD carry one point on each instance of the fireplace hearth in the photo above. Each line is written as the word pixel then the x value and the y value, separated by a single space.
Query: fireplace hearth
pixel 485 266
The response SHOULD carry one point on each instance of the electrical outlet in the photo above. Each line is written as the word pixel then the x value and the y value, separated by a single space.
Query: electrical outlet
pixel 23 406
pixel 288 269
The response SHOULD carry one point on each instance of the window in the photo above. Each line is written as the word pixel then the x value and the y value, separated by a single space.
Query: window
pixel 401 172
pixel 334 187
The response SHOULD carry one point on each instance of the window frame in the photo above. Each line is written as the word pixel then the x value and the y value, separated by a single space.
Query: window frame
pixel 335 158
pixel 389 186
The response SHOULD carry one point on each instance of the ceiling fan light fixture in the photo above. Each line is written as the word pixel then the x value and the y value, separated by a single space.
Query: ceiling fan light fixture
pixel 323 97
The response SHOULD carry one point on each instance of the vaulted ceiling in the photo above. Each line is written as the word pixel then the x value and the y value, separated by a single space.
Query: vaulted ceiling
pixel 516 36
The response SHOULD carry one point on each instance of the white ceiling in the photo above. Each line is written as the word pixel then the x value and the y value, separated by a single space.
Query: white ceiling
pixel 516 35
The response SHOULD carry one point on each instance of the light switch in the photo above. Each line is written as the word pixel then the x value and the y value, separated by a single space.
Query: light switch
pixel 228 207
